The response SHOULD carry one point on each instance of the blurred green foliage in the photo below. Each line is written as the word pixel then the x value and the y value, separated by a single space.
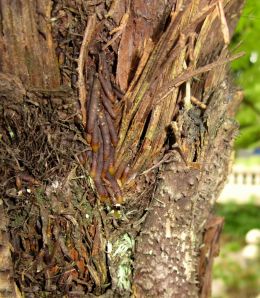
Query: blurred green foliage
pixel 241 279
pixel 239 282
pixel 239 219
pixel 240 276
pixel 249 161
pixel 247 74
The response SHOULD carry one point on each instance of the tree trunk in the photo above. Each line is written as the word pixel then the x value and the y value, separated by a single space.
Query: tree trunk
pixel 116 137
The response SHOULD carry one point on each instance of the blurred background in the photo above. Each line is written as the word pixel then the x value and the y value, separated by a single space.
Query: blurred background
pixel 237 269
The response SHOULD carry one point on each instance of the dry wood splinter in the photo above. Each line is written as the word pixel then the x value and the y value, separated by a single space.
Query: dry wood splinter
pixel 93 108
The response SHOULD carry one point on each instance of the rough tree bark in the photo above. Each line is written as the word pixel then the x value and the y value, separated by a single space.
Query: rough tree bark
pixel 125 208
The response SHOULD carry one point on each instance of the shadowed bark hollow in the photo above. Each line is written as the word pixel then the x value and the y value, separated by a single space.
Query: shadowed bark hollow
pixel 117 127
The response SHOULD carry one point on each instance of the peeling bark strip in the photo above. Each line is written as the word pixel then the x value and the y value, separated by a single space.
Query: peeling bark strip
pixel 210 249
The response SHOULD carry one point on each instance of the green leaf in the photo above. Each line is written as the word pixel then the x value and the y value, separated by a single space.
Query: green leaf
pixel 247 72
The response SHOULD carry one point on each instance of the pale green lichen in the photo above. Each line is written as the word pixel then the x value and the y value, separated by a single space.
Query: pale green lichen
pixel 122 245
pixel 122 252
pixel 124 274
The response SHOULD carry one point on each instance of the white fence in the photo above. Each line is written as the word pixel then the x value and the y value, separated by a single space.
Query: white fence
pixel 243 185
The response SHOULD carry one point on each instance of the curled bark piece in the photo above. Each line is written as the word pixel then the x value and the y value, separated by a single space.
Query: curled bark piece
pixel 106 85
pixel 119 198
pixel 88 138
pixel 117 191
pixel 118 91
pixel 107 105
pixel 112 130
pixel 125 174
pixel 100 158
pixel 93 171
pixel 90 75
pixel 111 167
pixel 105 134
pixel 82 157
pixel 105 168
pixel 95 142
pixel 120 170
pixel 104 75
pixel 18 182
pixel 93 108
pixel 97 167
pixel 108 165
pixel 103 67
pixel 102 192
pixel 89 156
pixel 97 159
pixel 118 94
pixel 28 178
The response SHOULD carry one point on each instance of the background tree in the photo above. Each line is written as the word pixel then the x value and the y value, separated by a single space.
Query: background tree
pixel 114 196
